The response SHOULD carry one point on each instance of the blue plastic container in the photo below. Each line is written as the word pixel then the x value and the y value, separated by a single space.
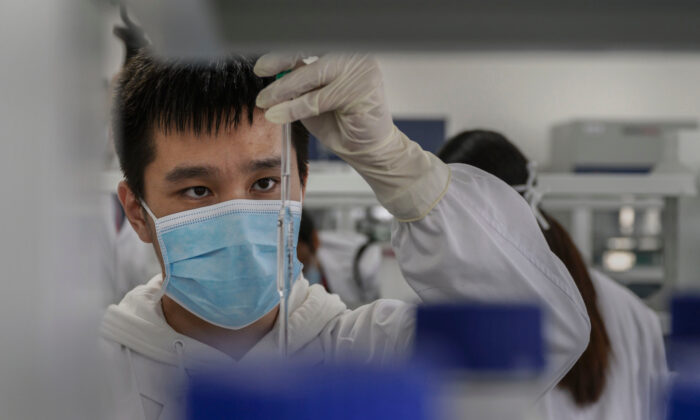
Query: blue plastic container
pixel 684 399
pixel 280 392
pixel 487 357
pixel 480 337
pixel 684 340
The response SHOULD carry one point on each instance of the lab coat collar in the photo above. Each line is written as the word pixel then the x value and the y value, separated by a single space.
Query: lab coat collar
pixel 138 323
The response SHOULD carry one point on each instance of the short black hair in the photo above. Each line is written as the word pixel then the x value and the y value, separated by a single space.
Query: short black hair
pixel 489 151
pixel 180 96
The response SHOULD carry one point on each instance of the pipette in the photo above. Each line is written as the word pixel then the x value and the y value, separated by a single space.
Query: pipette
pixel 285 237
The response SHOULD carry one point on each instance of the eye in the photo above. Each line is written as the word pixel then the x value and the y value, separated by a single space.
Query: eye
pixel 264 184
pixel 196 192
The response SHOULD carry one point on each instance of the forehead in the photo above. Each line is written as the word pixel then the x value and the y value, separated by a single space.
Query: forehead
pixel 230 147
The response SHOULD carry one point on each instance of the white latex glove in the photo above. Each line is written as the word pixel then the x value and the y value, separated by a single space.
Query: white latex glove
pixel 340 100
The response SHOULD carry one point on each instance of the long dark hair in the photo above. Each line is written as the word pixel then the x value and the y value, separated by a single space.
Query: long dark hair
pixel 493 153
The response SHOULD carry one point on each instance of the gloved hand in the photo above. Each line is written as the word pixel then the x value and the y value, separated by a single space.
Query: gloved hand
pixel 340 100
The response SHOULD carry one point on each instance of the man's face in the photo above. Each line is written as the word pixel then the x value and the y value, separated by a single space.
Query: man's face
pixel 195 171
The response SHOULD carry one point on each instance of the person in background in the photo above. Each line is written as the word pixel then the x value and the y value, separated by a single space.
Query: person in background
pixel 306 251
pixel 616 376
pixel 344 263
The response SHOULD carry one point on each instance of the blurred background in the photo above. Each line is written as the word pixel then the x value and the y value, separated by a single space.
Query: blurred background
pixel 606 98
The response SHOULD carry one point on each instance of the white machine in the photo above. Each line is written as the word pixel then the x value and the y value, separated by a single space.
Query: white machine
pixel 617 146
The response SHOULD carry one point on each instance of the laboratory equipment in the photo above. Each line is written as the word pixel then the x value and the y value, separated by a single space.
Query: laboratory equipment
pixel 636 228
pixel 620 190
pixel 615 146
pixel 486 355
pixel 285 236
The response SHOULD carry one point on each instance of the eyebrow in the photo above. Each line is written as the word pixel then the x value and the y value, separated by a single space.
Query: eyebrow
pixel 182 173
pixel 268 163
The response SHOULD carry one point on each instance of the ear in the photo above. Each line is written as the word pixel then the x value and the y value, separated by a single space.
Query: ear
pixel 134 212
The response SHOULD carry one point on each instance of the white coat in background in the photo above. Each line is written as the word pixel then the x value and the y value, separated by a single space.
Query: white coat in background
pixel 337 253
pixel 480 242
pixel 637 365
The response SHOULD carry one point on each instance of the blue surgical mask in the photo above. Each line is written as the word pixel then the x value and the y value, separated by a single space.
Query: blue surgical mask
pixel 221 260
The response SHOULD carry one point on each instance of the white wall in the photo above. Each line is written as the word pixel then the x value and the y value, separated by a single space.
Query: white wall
pixel 524 94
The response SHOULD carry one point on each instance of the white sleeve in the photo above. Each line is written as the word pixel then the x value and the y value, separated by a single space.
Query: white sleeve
pixel 380 332
pixel 482 242
pixel 653 372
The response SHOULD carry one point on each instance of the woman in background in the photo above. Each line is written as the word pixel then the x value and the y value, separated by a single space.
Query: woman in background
pixel 618 374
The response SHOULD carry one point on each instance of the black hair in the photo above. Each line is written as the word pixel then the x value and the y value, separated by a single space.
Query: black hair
pixel 306 231
pixel 489 151
pixel 180 96
pixel 493 153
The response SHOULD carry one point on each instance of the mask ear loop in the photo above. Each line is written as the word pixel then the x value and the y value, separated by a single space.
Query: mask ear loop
pixel 163 252
pixel 148 210
pixel 532 195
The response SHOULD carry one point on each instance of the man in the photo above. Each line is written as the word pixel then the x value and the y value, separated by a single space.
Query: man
pixel 197 148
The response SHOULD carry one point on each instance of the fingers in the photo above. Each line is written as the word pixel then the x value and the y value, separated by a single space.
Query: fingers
pixel 333 82
pixel 306 106
pixel 274 63
pixel 300 81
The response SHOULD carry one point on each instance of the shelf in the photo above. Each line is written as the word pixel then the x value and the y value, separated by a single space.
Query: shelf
pixel 637 275
pixel 667 185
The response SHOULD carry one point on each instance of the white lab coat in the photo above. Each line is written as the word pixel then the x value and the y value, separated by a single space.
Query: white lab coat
pixel 638 362
pixel 480 242
pixel 337 254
